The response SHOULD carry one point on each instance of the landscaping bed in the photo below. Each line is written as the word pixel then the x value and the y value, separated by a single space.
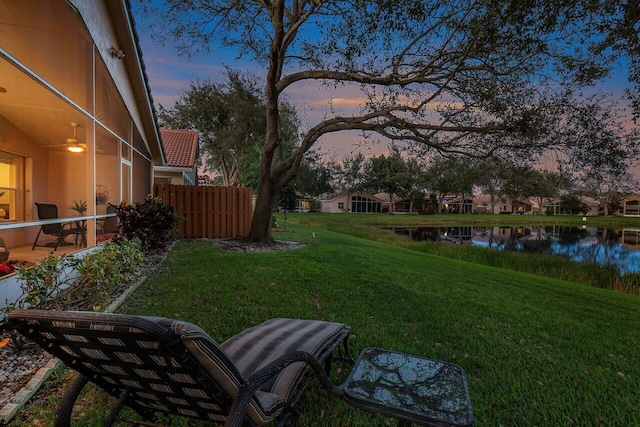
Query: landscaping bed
pixel 19 364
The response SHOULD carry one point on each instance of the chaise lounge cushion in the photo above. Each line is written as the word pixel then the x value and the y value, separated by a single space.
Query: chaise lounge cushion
pixel 256 347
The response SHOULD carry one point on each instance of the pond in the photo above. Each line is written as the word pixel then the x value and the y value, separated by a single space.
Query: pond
pixel 619 247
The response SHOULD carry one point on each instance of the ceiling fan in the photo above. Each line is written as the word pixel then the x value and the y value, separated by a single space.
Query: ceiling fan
pixel 75 145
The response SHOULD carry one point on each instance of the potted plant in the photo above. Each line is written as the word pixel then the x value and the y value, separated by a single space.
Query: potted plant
pixel 79 206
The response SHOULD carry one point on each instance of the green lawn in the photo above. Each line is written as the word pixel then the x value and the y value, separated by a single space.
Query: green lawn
pixel 537 351
pixel 378 227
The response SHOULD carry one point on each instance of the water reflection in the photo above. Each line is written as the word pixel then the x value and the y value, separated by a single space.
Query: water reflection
pixel 617 247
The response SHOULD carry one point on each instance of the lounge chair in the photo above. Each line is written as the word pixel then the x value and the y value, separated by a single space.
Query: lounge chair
pixel 153 364
pixel 58 230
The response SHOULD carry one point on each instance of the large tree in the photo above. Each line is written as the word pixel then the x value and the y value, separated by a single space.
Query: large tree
pixel 349 175
pixel 447 176
pixel 438 72
pixel 547 185
pixel 517 185
pixel 490 175
pixel 387 174
pixel 230 118
pixel 603 148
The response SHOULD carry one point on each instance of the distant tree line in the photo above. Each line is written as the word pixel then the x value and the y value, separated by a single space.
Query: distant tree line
pixel 230 119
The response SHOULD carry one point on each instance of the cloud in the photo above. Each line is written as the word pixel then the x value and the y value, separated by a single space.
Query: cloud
pixel 349 143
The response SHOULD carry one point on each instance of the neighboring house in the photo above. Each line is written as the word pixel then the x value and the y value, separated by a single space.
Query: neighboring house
pixel 77 122
pixel 394 205
pixel 502 204
pixel 181 151
pixel 456 203
pixel 555 207
pixel 631 206
pixel 525 207
pixel 356 202
pixel 482 203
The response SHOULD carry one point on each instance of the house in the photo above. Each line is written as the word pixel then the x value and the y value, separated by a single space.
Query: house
pixel 525 206
pixel 484 204
pixel 181 151
pixel 351 202
pixel 631 205
pixel 502 204
pixel 397 204
pixel 556 207
pixel 456 203
pixel 77 121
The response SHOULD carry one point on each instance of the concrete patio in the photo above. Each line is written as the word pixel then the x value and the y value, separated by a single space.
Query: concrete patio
pixel 38 253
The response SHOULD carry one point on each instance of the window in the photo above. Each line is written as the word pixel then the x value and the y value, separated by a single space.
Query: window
pixel 11 187
pixel 632 207
pixel 341 206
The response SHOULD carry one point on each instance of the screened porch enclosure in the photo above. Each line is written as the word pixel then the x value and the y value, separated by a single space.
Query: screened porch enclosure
pixel 71 128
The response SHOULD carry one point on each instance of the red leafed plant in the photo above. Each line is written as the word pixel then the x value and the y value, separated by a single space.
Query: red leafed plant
pixel 10 266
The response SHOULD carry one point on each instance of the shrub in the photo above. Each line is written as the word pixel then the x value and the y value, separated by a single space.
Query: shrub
pixel 150 221
pixel 94 277
pixel 115 262
pixel 315 206
pixel 40 282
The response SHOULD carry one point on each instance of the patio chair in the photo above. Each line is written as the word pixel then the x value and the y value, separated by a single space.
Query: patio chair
pixel 153 364
pixel 109 224
pixel 58 230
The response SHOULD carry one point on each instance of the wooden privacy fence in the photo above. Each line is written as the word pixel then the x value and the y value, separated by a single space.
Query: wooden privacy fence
pixel 209 212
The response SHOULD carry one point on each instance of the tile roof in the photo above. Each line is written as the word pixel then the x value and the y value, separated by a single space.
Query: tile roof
pixel 180 147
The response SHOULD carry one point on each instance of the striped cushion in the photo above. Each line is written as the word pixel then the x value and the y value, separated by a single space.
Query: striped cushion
pixel 263 408
pixel 256 347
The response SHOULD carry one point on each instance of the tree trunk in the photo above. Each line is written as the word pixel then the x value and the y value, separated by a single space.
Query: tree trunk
pixel 268 190
pixel 260 231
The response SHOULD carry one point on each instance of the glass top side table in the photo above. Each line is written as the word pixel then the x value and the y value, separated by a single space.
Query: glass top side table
pixel 410 388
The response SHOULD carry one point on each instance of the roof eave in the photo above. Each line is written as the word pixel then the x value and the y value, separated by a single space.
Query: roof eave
pixel 124 24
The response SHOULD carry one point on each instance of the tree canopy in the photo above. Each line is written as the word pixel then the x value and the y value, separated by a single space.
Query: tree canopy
pixel 230 118
pixel 479 78
pixel 387 174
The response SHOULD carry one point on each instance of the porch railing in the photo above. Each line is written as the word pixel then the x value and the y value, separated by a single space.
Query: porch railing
pixel 209 212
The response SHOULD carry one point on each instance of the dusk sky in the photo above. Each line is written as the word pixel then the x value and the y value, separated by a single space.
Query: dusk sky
pixel 170 75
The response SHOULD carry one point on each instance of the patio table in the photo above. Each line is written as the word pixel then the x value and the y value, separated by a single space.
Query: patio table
pixel 410 388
